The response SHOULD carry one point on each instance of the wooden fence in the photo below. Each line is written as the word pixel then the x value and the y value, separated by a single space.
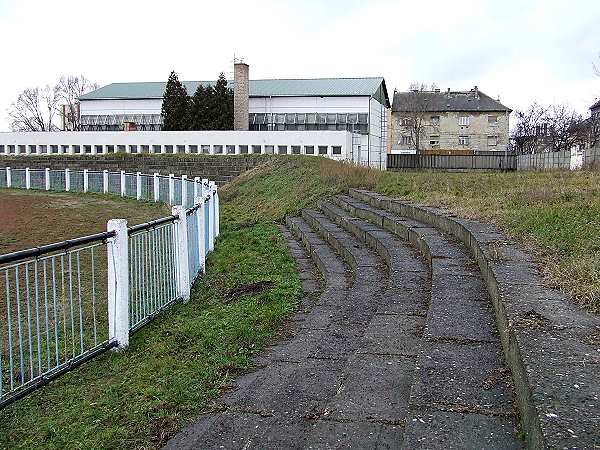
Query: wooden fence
pixel 479 161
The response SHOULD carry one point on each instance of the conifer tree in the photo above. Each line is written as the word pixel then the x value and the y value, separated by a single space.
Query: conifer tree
pixel 221 106
pixel 175 106
pixel 198 109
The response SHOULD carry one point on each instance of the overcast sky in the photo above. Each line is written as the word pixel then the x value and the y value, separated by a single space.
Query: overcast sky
pixel 520 50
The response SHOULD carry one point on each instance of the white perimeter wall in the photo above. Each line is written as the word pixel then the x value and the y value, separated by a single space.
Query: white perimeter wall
pixel 97 142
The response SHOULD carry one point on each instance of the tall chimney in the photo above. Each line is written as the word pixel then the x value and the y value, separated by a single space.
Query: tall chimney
pixel 240 96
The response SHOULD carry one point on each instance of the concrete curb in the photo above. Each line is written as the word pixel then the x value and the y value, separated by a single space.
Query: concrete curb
pixel 551 346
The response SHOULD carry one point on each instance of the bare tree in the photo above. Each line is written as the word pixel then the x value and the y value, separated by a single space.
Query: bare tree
pixel 566 128
pixel 416 112
pixel 530 129
pixel 69 89
pixel 34 110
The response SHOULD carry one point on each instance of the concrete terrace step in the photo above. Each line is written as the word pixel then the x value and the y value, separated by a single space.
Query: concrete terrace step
pixel 550 345
pixel 460 392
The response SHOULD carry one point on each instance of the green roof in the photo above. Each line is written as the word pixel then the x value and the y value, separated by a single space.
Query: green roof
pixel 312 87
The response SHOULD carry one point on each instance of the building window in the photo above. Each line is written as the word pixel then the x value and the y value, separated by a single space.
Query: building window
pixel 493 120
pixel 205 148
pixel 243 149
pixel 492 141
pixel 217 149
pixel 463 121
pixel 269 149
pixel 464 141
pixel 435 121
pixel 405 121
pixel 434 141
pixel 193 149
pixel 230 149
pixel 309 149
pixel 322 149
pixel 180 149
pixel 295 149
pixel 405 140
pixel 336 149
pixel 168 148
pixel 282 149
pixel 155 149
pixel 256 149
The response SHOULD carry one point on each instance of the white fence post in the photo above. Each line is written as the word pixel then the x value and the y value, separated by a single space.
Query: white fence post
pixel 85 180
pixel 211 218
pixel 27 178
pixel 105 181
pixel 67 180
pixel 184 190
pixel 8 177
pixel 196 193
pixel 47 178
pixel 118 283
pixel 217 216
pixel 156 187
pixel 201 241
pixel 183 274
pixel 171 189
pixel 138 185
pixel 122 183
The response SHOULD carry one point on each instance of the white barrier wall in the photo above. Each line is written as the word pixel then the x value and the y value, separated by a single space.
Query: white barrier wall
pixel 334 144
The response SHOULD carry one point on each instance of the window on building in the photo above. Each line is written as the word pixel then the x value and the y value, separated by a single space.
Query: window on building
pixel 269 149
pixel 492 120
pixel 181 149
pixel 2 149
pixel 309 149
pixel 168 149
pixel 217 149
pixel 256 149
pixel 322 149
pixel 405 140
pixel 336 149
pixel 282 149
pixel 492 141
pixel 463 121
pixel 295 149
pixel 205 148
pixel 230 149
pixel 243 149
pixel 434 141
pixel 54 149
pixel 99 149
pixel 193 149
pixel 405 121
pixel 435 121
pixel 132 149
pixel 464 141
pixel 156 149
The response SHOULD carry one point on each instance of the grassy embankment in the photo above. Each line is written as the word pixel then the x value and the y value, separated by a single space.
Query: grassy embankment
pixel 179 362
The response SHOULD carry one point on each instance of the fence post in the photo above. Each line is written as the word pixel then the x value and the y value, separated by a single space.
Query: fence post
pixel 196 183
pixel 183 273
pixel 47 178
pixel 183 190
pixel 118 283
pixel 85 180
pixel 27 178
pixel 138 185
pixel 156 187
pixel 217 218
pixel 171 189
pixel 67 180
pixel 122 183
pixel 8 177
pixel 200 224
pixel 105 181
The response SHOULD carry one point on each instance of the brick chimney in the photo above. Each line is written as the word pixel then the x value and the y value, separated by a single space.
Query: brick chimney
pixel 240 96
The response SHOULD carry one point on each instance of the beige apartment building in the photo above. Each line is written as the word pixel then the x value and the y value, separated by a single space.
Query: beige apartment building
pixel 462 122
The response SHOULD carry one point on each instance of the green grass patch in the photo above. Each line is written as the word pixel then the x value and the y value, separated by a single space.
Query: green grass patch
pixel 176 364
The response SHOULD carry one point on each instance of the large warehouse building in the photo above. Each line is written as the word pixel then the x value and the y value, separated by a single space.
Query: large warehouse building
pixel 358 105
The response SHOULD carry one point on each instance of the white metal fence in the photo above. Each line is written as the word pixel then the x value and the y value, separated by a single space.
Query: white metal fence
pixel 64 303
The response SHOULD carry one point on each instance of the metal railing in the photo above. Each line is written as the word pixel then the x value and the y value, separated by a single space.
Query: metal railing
pixel 487 161
pixel 64 303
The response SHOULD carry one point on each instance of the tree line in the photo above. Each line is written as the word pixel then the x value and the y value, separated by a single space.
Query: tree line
pixel 35 109
pixel 209 108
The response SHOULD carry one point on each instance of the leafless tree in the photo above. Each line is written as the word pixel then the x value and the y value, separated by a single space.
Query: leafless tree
pixel 416 112
pixel 566 128
pixel 69 89
pixel 34 110
pixel 530 129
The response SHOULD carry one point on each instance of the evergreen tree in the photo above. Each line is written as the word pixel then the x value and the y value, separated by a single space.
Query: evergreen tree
pixel 221 106
pixel 176 105
pixel 198 109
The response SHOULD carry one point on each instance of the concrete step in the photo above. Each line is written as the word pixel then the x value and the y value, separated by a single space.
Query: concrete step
pixel 461 392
